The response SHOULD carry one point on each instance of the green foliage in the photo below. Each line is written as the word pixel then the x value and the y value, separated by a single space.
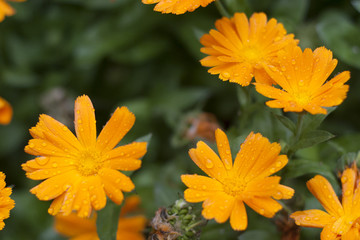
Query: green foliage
pixel 107 221
pixel 122 53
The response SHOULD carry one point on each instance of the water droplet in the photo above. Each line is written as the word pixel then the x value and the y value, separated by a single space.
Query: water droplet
pixel 54 165
pixel 316 219
pixel 227 152
pixel 262 211
pixel 278 164
pixel 204 187
pixel 347 193
pixel 44 144
pixel 307 218
pixel 64 128
pixel 301 83
pixel 293 62
pixel 46 198
pixel 344 179
pixel 272 170
pixel 283 68
pixel 209 163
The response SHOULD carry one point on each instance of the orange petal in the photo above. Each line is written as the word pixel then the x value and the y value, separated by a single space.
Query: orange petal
pixel 56 133
pixel 85 124
pixel 131 204
pixel 223 148
pixel 82 202
pixel 72 225
pixel 341 225
pixel 6 111
pixel 208 161
pixel 348 180
pixel 265 206
pixel 263 187
pixel 352 234
pixel 194 196
pixel 218 206
pixel 202 183
pixel 283 192
pixel 312 218
pixel 323 191
pixel 133 150
pixel 327 234
pixel 118 179
pixel 115 129
pixel 238 218
pixel 97 193
pixel 54 186
pixel 258 158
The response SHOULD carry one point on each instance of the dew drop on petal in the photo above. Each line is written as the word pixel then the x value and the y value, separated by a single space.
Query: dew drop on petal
pixel 209 164
pixel 262 211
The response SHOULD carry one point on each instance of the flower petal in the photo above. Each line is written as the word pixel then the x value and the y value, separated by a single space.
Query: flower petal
pixel 218 206
pixel 348 180
pixel 118 179
pixel 323 191
pixel 265 206
pixel 85 124
pixel 115 129
pixel 6 111
pixel 283 192
pixel 208 161
pixel 223 148
pixel 312 218
pixel 238 218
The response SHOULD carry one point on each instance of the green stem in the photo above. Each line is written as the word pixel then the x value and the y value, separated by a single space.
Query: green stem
pixel 297 135
pixel 194 225
pixel 244 95
pixel 222 9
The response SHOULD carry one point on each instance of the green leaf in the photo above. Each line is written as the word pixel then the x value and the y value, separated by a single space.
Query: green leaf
pixel 301 167
pixel 340 35
pixel 290 13
pixel 311 122
pixel 285 121
pixel 107 221
pixel 145 138
pixel 312 138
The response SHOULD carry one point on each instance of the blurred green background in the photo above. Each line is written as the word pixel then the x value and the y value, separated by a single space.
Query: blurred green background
pixel 121 52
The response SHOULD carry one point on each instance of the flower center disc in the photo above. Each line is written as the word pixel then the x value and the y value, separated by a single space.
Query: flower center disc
pixel 89 163
pixel 234 187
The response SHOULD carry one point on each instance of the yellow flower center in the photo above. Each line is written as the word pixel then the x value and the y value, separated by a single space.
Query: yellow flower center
pixel 234 187
pixel 89 162
pixel 252 55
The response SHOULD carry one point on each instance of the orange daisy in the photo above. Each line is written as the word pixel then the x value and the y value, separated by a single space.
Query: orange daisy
pixel 81 171
pixel 340 221
pixel 177 6
pixel 6 203
pixel 129 227
pixel 6 9
pixel 302 77
pixel 230 185
pixel 240 48
pixel 6 111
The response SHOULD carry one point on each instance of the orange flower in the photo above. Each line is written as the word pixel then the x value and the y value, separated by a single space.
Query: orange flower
pixel 81 171
pixel 129 227
pixel 177 6
pixel 6 203
pixel 6 9
pixel 6 111
pixel 230 185
pixel 339 221
pixel 302 78
pixel 240 48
